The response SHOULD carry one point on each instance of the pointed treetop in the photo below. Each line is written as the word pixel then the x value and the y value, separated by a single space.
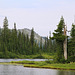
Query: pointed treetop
pixel 5 23
pixel 14 25
pixel 49 34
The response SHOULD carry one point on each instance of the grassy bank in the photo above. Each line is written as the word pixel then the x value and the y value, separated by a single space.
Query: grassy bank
pixel 40 56
pixel 35 56
pixel 46 64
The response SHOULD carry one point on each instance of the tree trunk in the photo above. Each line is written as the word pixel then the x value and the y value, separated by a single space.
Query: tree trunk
pixel 65 44
pixel 65 48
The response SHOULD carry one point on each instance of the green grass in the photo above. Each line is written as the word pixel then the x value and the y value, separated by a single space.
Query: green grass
pixel 40 56
pixel 46 64
pixel 34 56
pixel 63 66
pixel 53 66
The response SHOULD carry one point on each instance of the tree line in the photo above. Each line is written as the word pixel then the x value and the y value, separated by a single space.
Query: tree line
pixel 65 45
pixel 14 42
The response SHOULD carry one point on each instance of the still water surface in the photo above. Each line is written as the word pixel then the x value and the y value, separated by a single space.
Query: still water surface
pixel 20 70
pixel 9 60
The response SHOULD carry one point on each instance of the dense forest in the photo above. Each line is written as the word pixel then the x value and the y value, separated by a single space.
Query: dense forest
pixel 13 44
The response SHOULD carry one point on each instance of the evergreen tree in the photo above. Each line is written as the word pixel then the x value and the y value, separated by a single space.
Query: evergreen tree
pixel 58 35
pixel 14 39
pixel 5 23
pixel 28 45
pixel 5 35
pixel 41 43
pixel 5 29
pixel 54 45
pixel 73 31
pixel 71 45
pixel 48 45
pixel 45 45
pixel 32 40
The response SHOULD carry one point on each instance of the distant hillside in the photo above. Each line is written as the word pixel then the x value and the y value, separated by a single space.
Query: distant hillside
pixel 36 36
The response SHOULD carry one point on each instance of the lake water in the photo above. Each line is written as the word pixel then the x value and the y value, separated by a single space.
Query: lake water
pixel 20 70
pixel 9 60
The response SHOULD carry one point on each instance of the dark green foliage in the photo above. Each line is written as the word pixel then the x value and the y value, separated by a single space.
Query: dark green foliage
pixel 58 35
pixel 71 45
pixel 13 43
pixel 45 44
pixel 59 38
pixel 32 37
pixel 41 43
pixel 32 41
pixel 39 56
pixel 73 31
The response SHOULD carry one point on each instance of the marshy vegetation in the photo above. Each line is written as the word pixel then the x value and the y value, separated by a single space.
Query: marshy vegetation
pixel 46 64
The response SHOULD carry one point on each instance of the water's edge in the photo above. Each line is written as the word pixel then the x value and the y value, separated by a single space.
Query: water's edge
pixel 30 66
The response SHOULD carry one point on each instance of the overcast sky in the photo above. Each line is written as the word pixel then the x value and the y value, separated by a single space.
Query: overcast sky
pixel 42 15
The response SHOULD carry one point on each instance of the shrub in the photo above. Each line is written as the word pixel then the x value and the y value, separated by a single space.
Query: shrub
pixel 62 60
pixel 72 58
pixel 49 61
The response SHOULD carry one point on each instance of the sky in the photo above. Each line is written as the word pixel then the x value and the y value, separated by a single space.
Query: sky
pixel 42 15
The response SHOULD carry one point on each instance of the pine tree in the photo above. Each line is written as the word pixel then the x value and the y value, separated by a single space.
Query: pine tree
pixel 5 35
pixel 41 43
pixel 14 39
pixel 58 35
pixel 73 31
pixel 71 45
pixel 5 23
pixel 50 43
pixel 5 29
pixel 45 45
pixel 32 40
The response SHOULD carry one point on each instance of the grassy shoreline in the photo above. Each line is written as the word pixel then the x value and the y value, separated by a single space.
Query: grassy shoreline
pixel 43 64
pixel 46 65
pixel 35 56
